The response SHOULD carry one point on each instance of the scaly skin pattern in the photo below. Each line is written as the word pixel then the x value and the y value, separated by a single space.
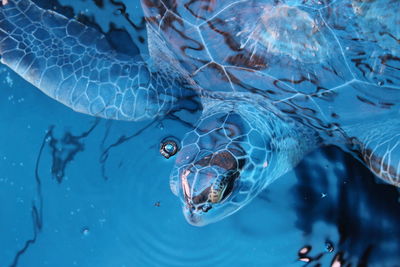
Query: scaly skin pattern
pixel 75 65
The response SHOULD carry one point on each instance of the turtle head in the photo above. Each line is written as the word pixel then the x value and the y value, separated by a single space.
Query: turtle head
pixel 223 164
pixel 207 185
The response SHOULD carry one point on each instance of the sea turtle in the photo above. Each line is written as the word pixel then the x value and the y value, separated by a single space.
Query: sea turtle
pixel 276 79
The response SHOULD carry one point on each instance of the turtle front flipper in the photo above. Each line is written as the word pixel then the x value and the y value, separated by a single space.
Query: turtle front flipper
pixel 76 65
pixel 377 144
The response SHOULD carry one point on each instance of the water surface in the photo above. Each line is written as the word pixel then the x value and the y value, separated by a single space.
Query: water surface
pixel 81 191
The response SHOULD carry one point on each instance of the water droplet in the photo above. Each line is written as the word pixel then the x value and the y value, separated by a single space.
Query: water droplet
pixel 304 250
pixel 303 254
pixel 329 246
pixel 126 69
pixel 85 231
pixel 161 126
pixel 169 147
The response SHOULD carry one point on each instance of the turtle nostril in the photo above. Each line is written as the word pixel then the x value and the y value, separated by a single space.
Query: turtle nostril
pixel 206 207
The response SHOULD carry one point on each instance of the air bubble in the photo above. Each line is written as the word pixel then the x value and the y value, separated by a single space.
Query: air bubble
pixel 169 147
pixel 329 246
pixel 161 126
pixel 85 231
pixel 303 254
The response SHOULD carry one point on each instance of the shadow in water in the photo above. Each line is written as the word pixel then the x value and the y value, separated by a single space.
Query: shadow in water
pixel 336 189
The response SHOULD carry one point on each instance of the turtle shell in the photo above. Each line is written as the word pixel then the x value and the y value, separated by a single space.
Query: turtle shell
pixel 326 63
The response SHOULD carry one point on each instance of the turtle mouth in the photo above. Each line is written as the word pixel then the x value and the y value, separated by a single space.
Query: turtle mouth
pixel 210 181
pixel 200 213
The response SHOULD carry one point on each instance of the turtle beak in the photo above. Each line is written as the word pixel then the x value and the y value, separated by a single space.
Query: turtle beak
pixel 193 216
pixel 204 216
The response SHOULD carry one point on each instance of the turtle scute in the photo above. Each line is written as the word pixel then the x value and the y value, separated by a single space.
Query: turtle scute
pixel 289 31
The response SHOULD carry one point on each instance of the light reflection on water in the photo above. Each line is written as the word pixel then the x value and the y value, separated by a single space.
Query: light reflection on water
pixel 107 202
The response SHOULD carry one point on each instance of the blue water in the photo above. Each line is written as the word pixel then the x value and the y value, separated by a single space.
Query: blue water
pixel 80 191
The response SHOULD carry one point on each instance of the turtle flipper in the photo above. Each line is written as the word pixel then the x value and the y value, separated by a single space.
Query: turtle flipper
pixel 378 146
pixel 75 65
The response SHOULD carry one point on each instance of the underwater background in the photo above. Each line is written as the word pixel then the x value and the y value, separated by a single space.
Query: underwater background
pixel 81 191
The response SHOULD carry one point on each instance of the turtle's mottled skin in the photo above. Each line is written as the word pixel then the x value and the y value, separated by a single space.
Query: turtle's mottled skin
pixel 276 79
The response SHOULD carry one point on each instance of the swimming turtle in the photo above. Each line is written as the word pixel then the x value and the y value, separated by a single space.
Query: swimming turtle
pixel 276 79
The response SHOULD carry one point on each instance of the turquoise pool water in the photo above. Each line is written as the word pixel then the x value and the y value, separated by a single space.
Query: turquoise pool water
pixel 80 191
